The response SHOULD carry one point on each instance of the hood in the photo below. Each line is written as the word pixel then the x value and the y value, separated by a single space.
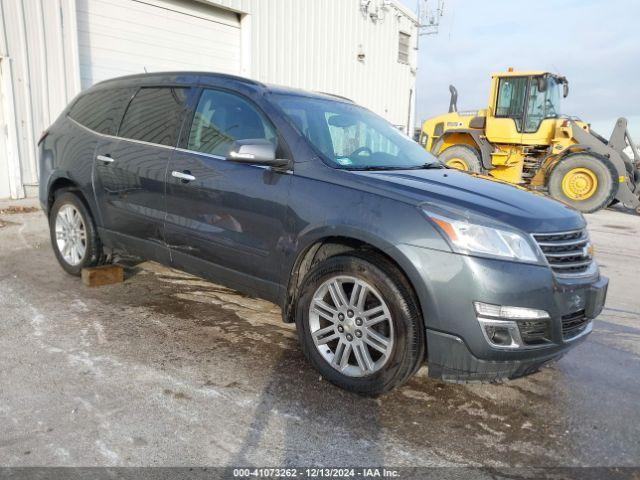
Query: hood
pixel 509 204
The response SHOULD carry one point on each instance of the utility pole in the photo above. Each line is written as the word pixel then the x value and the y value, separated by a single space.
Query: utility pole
pixel 429 14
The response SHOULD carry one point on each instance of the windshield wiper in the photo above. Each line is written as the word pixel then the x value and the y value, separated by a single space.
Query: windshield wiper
pixel 425 166
pixel 374 167
pixel 428 166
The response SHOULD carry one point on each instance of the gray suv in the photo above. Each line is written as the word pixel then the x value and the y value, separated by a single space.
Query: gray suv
pixel 382 257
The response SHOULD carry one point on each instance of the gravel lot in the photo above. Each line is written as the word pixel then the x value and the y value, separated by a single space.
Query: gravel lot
pixel 167 370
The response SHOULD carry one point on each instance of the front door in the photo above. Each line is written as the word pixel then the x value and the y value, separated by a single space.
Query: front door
pixel 130 169
pixel 506 123
pixel 226 218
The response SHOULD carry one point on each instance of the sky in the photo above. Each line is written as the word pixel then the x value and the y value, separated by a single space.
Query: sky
pixel 594 43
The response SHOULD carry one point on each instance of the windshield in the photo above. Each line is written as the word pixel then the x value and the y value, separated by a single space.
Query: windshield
pixel 545 104
pixel 351 137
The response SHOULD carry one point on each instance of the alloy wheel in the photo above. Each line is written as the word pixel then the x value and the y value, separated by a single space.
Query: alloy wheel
pixel 351 326
pixel 71 234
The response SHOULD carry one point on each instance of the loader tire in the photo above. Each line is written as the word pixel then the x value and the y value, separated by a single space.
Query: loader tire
pixel 462 157
pixel 584 182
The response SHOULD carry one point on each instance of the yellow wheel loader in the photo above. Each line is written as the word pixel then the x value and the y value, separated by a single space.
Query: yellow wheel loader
pixel 523 138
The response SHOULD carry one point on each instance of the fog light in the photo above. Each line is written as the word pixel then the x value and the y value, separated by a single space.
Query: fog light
pixel 501 333
pixel 511 313
pixel 498 323
pixel 498 335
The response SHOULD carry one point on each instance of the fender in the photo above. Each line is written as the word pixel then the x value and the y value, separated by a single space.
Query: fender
pixel 56 175
pixel 481 142
pixel 313 236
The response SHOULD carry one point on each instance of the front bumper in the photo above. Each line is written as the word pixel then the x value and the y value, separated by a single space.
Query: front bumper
pixel 450 360
pixel 457 349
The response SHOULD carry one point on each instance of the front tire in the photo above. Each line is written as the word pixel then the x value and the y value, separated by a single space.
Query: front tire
pixel 359 323
pixel 74 237
pixel 585 182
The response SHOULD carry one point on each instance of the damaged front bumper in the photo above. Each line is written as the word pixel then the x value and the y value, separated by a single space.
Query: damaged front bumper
pixel 451 360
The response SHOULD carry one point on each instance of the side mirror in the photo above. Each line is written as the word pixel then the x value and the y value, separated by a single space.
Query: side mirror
pixel 256 151
pixel 565 89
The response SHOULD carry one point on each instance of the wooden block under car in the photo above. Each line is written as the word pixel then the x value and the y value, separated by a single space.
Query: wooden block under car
pixel 104 275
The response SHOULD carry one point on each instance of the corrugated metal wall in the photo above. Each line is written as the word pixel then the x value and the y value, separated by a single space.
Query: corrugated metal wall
pixel 39 77
pixel 315 44
pixel 123 37
pixel 309 44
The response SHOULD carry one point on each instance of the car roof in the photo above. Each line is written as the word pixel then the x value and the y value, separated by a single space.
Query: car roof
pixel 187 77
pixel 281 90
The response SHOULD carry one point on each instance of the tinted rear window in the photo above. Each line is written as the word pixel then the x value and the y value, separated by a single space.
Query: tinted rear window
pixel 154 115
pixel 101 110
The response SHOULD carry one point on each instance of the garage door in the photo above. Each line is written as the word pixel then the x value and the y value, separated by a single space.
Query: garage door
pixel 121 37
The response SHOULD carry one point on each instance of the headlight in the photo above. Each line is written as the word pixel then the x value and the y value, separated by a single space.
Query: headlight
pixel 475 239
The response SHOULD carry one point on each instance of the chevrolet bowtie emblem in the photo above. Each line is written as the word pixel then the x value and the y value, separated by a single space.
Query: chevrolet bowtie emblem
pixel 587 251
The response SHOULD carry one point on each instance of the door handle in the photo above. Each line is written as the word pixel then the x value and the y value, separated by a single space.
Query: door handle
pixel 105 158
pixel 184 176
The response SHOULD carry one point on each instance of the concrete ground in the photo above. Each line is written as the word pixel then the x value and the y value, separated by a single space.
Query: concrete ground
pixel 167 369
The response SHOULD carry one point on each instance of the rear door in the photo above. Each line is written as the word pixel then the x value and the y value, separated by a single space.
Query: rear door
pixel 224 213
pixel 130 169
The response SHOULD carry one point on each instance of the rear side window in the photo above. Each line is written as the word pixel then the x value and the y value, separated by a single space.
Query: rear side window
pixel 154 115
pixel 222 118
pixel 102 110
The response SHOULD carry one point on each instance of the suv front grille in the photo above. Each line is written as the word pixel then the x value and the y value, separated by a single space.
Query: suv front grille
pixel 574 324
pixel 568 253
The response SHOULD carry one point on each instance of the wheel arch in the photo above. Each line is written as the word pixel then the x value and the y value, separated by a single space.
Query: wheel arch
pixel 58 184
pixel 468 137
pixel 64 183
pixel 328 244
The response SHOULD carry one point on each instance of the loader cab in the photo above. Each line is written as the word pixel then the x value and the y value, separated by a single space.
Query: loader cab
pixel 523 107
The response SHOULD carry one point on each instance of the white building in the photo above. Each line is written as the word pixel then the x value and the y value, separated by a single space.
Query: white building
pixel 51 49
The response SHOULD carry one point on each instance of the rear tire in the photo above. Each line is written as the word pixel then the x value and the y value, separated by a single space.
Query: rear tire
pixel 403 330
pixel 74 237
pixel 462 157
pixel 585 182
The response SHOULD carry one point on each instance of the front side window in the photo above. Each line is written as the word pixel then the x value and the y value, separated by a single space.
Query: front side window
pixel 351 137
pixel 101 110
pixel 222 118
pixel 154 115
pixel 512 92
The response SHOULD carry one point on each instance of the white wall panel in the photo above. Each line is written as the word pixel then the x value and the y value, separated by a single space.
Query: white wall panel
pixel 36 37
pixel 313 44
pixel 120 37
pixel 309 44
